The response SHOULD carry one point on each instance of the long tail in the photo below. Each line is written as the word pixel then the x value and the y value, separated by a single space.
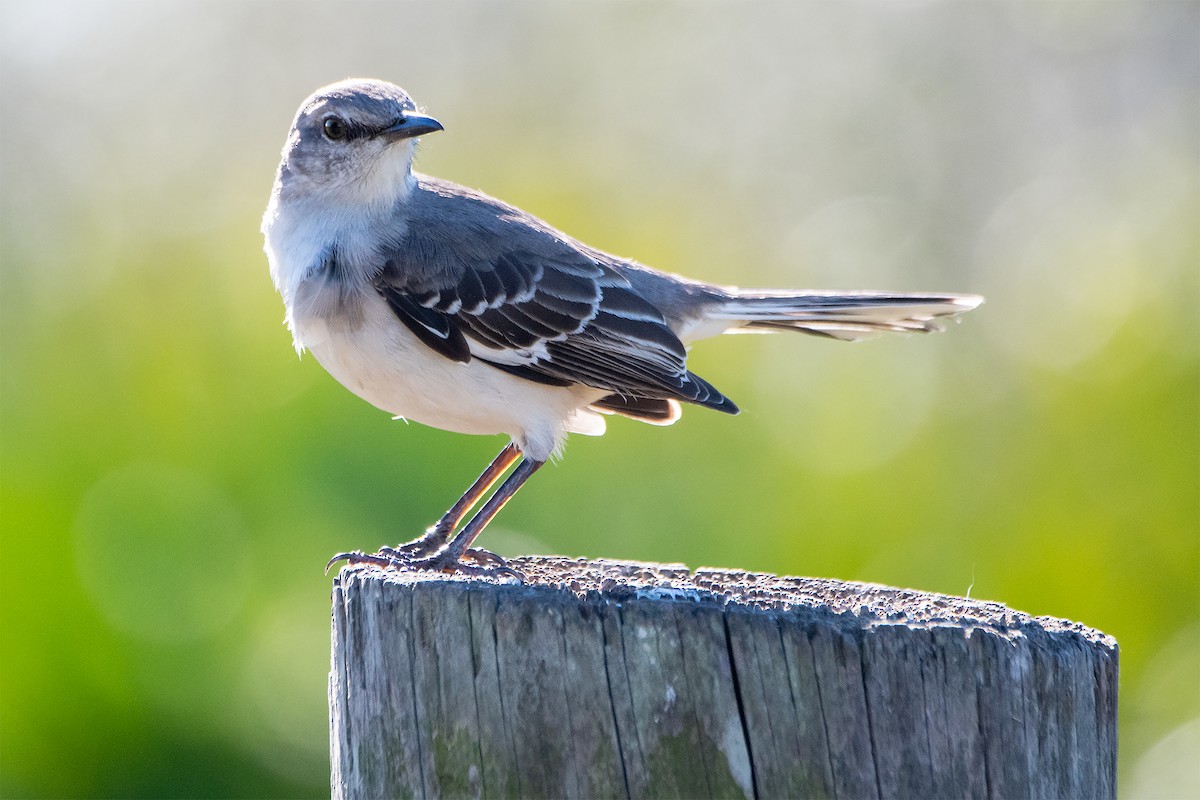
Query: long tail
pixel 848 316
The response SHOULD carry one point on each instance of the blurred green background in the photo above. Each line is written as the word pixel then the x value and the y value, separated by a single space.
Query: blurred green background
pixel 173 479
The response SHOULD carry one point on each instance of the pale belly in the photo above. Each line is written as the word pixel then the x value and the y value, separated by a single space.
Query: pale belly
pixel 382 362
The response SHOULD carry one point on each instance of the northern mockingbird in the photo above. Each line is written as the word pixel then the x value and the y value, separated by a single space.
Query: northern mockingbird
pixel 439 304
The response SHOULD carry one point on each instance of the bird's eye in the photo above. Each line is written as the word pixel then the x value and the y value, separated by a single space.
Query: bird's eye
pixel 335 129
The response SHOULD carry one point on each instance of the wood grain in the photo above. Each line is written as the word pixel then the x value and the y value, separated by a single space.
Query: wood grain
pixel 606 679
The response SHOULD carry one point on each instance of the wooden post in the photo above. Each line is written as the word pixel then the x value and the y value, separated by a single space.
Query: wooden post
pixel 604 679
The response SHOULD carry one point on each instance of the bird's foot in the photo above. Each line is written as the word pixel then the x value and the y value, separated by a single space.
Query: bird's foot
pixel 473 561
pixel 419 555
pixel 412 551
pixel 359 557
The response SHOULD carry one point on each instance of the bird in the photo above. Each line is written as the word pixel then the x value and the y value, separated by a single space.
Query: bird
pixel 442 305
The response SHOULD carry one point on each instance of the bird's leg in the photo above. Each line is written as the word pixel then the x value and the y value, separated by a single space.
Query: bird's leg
pixel 436 536
pixel 449 521
pixel 449 557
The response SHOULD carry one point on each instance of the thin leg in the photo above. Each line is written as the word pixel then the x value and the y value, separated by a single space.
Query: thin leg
pixel 435 538
pixel 486 481
pixel 449 556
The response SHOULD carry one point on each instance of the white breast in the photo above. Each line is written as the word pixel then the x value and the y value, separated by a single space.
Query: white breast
pixel 382 362
pixel 353 333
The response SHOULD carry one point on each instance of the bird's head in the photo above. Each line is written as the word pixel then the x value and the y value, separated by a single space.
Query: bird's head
pixel 353 141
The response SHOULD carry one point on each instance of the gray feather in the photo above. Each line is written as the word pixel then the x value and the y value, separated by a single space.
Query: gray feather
pixel 535 302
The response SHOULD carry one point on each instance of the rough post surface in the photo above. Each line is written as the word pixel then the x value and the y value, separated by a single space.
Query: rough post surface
pixel 606 679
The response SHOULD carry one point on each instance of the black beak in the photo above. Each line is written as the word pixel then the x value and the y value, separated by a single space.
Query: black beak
pixel 410 125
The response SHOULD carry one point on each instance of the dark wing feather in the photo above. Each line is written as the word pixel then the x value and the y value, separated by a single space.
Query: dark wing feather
pixel 654 411
pixel 542 308
pixel 431 327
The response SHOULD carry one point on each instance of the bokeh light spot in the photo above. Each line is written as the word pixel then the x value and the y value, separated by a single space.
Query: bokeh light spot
pixel 282 709
pixel 161 552
pixel 849 408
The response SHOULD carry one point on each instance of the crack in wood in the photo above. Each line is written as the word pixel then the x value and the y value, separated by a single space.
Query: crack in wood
pixel 605 679
pixel 741 707
pixel 612 706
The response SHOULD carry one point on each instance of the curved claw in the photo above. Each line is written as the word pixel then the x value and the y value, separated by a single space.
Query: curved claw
pixel 505 569
pixel 492 564
pixel 485 557
pixel 339 557
pixel 358 557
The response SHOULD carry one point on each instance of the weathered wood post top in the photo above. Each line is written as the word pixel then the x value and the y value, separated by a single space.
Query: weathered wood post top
pixel 607 679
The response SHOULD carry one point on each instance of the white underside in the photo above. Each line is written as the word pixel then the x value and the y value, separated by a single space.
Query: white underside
pixel 361 342
pixel 374 355
pixel 382 362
